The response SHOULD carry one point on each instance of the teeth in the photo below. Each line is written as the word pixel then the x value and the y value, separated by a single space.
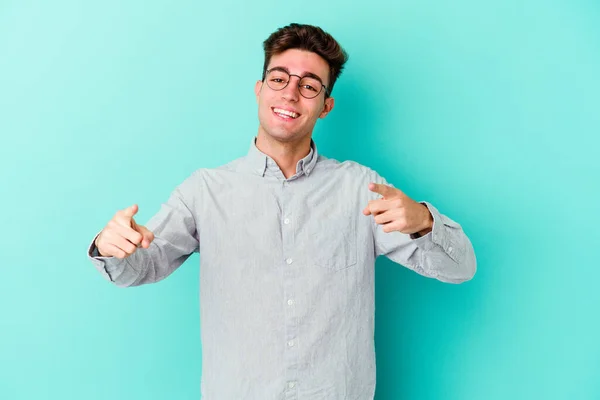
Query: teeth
pixel 284 112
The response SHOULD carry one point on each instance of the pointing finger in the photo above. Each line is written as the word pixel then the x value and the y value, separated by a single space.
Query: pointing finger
pixel 383 190
pixel 130 211
pixel 125 217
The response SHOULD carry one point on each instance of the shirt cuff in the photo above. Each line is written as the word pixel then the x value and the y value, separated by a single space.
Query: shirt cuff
pixel 440 235
pixel 102 264
pixel 93 250
pixel 433 238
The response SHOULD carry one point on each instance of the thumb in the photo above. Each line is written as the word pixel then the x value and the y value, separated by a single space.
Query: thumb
pixel 147 235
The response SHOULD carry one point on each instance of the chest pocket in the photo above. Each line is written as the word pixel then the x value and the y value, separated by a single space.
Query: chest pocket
pixel 333 242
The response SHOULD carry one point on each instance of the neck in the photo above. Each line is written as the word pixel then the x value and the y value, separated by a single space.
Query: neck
pixel 285 154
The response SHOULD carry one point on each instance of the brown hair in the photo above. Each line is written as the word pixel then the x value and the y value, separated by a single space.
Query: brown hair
pixel 309 38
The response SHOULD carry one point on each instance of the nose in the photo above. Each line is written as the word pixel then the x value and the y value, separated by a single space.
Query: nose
pixel 291 92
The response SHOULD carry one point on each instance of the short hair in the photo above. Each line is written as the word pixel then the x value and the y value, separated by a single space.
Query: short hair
pixel 309 38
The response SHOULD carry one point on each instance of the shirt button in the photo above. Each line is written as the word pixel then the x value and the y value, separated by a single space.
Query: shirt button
pixel 286 221
pixel 291 343
pixel 290 302
pixel 291 384
pixel 450 249
pixel 289 261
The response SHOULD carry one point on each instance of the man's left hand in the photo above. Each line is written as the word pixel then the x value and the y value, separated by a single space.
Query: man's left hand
pixel 398 212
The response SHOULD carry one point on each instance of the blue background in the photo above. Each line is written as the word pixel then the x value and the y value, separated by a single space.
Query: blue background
pixel 489 110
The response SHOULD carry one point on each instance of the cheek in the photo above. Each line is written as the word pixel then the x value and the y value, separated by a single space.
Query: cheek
pixel 316 112
pixel 262 106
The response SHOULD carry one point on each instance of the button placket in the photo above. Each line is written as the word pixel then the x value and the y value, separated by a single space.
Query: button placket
pixel 289 275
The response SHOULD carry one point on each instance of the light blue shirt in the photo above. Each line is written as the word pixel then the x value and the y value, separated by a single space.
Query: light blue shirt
pixel 287 273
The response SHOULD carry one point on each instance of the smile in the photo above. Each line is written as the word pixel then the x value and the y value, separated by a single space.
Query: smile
pixel 285 114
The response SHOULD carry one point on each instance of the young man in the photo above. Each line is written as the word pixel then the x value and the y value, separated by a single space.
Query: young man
pixel 288 241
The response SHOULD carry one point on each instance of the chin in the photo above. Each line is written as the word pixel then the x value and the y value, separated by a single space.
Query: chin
pixel 283 136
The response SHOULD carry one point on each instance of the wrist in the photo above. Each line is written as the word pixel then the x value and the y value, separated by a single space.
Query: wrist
pixel 424 232
pixel 428 224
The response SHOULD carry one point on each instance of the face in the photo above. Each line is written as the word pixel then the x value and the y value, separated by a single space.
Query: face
pixel 273 122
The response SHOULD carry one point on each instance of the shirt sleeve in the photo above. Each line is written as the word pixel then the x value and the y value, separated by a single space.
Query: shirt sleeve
pixel 445 253
pixel 175 239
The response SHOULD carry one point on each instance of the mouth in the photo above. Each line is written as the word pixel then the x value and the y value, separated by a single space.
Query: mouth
pixel 285 114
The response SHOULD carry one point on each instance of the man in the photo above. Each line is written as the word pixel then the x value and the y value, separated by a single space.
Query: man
pixel 288 241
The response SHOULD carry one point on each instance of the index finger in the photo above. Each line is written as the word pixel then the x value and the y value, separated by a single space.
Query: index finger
pixel 130 211
pixel 125 217
pixel 383 190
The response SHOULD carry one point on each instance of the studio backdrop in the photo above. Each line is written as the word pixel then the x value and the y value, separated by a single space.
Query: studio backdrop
pixel 490 110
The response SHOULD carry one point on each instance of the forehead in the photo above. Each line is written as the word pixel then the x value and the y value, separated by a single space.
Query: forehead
pixel 300 62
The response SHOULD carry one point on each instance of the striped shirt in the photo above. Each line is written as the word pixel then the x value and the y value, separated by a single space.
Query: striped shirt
pixel 287 273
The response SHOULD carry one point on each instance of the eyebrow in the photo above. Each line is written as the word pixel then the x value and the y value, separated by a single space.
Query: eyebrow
pixel 305 74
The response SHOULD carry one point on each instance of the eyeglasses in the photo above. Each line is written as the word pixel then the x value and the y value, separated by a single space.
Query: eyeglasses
pixel 310 87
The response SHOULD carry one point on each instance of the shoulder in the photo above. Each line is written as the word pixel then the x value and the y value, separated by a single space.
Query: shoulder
pixel 348 168
pixel 220 174
pixel 204 173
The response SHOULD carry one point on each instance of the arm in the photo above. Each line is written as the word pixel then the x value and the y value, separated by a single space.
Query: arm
pixel 435 246
pixel 175 239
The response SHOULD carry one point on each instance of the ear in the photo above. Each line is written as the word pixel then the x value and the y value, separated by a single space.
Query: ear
pixel 257 88
pixel 327 107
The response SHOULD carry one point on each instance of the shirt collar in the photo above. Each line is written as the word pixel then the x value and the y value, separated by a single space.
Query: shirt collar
pixel 257 161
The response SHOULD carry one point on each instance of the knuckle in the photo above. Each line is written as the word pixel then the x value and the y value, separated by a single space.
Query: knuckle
pixel 137 238
pixel 110 236
pixel 104 239
pixel 100 241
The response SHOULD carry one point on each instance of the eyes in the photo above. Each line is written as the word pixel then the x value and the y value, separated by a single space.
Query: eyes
pixel 309 84
pixel 309 87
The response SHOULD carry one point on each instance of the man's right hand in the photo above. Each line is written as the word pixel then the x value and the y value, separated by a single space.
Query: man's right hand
pixel 121 237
